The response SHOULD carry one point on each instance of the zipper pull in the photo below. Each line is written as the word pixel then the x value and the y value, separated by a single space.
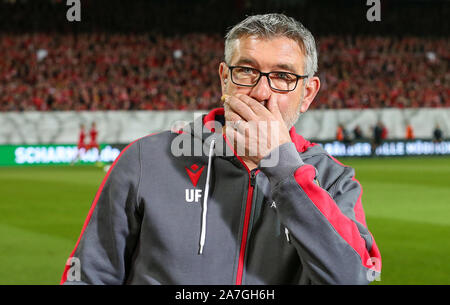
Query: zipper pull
pixel 252 178
pixel 288 237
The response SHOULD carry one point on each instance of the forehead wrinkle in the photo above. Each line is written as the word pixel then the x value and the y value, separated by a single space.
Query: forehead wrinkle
pixel 275 67
pixel 248 45
pixel 287 67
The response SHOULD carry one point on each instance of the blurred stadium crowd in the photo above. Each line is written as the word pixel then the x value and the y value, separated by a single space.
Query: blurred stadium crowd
pixel 175 66
pixel 155 72
pixel 109 72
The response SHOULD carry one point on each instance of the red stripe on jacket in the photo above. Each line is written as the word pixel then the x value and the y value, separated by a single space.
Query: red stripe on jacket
pixel 359 211
pixel 94 204
pixel 343 225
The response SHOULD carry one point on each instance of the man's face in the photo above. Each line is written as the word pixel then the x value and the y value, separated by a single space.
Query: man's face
pixel 266 55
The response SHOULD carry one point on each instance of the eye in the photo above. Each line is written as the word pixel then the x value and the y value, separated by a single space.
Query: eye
pixel 246 70
pixel 283 75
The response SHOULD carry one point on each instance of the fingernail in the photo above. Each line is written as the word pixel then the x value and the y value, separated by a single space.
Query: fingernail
pixel 224 97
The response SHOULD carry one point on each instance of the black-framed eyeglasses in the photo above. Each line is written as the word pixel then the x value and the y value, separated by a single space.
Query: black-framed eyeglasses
pixel 278 80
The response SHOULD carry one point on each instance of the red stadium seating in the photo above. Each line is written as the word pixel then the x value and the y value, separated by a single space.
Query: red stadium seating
pixel 155 72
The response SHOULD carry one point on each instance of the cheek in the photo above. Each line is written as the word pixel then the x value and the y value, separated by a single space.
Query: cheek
pixel 287 104
pixel 232 89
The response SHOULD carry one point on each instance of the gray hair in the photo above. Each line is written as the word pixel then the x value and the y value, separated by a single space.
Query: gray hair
pixel 270 26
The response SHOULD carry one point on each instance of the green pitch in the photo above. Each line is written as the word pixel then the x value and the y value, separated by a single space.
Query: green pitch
pixel 407 204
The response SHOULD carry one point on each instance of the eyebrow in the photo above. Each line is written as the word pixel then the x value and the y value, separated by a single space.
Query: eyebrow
pixel 288 67
pixel 244 61
pixel 281 66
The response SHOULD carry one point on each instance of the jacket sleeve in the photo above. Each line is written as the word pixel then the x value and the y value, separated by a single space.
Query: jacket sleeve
pixel 328 231
pixel 104 249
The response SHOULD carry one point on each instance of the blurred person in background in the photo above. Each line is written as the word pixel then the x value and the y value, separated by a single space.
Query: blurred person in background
pixel 409 132
pixel 93 143
pixel 378 136
pixel 357 133
pixel 384 131
pixel 437 134
pixel 93 133
pixel 340 133
pixel 81 147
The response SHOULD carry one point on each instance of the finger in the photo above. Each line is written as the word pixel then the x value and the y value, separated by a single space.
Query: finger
pixel 258 107
pixel 235 121
pixel 231 115
pixel 241 108
pixel 236 139
pixel 272 106
pixel 240 126
pixel 226 107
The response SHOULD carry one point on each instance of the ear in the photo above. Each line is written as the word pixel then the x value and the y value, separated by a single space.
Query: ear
pixel 223 74
pixel 311 89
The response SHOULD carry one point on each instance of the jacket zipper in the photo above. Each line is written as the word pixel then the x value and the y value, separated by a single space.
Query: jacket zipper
pixel 248 207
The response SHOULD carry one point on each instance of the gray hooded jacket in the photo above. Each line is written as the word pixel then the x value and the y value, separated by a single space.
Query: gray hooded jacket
pixel 170 213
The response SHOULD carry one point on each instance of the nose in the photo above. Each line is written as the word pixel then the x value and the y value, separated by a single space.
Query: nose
pixel 262 91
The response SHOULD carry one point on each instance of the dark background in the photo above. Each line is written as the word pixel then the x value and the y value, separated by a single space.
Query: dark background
pixel 322 17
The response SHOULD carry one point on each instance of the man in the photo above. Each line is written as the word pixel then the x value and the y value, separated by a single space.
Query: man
pixel 81 147
pixel 256 204
pixel 93 134
pixel 437 134
pixel 378 136
pixel 409 132
pixel 357 133
pixel 342 135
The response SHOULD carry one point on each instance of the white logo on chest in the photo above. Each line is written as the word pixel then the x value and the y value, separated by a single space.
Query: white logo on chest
pixel 193 195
